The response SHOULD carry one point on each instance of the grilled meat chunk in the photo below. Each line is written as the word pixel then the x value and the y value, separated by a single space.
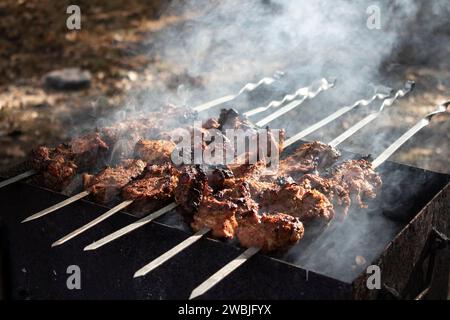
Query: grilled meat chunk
pixel 88 151
pixel 294 200
pixel 107 184
pixel 55 166
pixel 218 215
pixel 270 232
pixel 154 151
pixel 359 178
pixel 308 158
pixel 155 189
pixel 192 187
pixel 58 166
pixel 337 194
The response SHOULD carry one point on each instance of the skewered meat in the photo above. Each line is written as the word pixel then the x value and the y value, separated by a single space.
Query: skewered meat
pixel 218 215
pixel 155 189
pixel 337 194
pixel 294 200
pixel 154 151
pixel 88 150
pixel 308 158
pixel 192 186
pixel 359 178
pixel 270 232
pixel 55 166
pixel 107 184
pixel 58 166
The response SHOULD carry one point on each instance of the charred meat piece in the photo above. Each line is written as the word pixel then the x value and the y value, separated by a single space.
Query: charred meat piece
pixel 89 150
pixel 192 187
pixel 336 193
pixel 153 190
pixel 123 135
pixel 218 215
pixel 107 184
pixel 359 178
pixel 56 167
pixel 154 151
pixel 294 200
pixel 270 232
pixel 220 178
pixel 240 194
pixel 308 158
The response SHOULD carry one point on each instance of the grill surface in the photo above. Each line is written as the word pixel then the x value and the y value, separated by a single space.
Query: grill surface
pixel 34 270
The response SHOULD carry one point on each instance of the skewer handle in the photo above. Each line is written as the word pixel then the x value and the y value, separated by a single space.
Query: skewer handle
pixel 324 85
pixel 247 88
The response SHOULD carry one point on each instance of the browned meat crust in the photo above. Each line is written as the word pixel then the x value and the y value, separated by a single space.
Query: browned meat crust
pixel 192 186
pixel 294 200
pixel 55 166
pixel 153 190
pixel 107 184
pixel 337 194
pixel 359 178
pixel 308 158
pixel 270 232
pixel 154 151
pixel 58 166
pixel 218 215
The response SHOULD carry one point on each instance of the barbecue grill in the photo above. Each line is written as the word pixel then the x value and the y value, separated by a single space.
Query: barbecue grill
pixel 413 208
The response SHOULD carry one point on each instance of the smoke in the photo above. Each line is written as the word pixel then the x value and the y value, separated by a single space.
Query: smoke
pixel 230 42
pixel 224 44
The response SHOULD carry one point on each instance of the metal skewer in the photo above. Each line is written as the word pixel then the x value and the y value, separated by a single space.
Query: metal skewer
pixel 308 94
pixel 287 98
pixel 57 206
pixel 89 225
pixel 409 86
pixel 442 108
pixel 248 253
pixel 192 239
pixel 332 117
pixel 247 88
pixel 19 177
pixel 133 226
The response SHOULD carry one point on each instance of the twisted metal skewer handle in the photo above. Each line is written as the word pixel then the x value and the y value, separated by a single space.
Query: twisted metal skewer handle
pixel 309 93
pixel 334 116
pixel 442 108
pixel 246 88
pixel 287 98
pixel 408 87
